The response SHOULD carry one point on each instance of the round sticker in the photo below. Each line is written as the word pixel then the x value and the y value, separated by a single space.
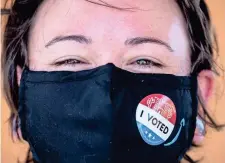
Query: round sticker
pixel 156 118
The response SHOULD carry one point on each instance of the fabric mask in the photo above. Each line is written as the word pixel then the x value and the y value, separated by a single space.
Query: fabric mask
pixel 107 115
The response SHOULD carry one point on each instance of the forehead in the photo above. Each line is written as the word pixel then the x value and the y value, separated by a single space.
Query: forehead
pixel 137 18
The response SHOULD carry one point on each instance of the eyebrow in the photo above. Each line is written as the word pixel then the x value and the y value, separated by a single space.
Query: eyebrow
pixel 143 40
pixel 132 41
pixel 77 38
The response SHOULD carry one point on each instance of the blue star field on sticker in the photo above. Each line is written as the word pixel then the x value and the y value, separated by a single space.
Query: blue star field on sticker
pixel 149 136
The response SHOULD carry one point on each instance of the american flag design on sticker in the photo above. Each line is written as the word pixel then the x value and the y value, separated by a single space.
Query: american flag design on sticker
pixel 156 118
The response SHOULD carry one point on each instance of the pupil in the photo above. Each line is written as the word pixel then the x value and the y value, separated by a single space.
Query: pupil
pixel 143 62
pixel 71 62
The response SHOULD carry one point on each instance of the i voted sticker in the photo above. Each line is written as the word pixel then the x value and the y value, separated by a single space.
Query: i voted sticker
pixel 156 118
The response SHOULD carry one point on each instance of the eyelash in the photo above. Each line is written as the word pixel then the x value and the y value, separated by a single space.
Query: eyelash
pixel 146 63
pixel 69 62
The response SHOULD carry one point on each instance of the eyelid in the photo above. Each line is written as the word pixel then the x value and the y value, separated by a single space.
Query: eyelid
pixel 66 62
pixel 152 63
pixel 152 59
pixel 70 57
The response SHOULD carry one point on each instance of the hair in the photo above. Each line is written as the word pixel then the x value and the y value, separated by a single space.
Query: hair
pixel 202 41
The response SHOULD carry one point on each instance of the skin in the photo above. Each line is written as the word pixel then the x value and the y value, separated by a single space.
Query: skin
pixel 157 19
pixel 108 32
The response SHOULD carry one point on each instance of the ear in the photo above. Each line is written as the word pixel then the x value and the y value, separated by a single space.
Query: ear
pixel 19 74
pixel 205 85
pixel 205 91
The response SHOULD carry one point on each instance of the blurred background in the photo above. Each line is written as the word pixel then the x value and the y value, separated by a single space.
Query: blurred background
pixel 213 148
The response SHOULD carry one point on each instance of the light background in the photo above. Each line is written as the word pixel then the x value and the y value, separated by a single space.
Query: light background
pixel 213 148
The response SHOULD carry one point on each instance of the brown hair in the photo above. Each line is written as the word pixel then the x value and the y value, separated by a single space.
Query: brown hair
pixel 201 37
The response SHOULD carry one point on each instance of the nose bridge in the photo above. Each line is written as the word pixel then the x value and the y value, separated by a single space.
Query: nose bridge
pixel 105 80
pixel 112 83
pixel 110 57
pixel 111 52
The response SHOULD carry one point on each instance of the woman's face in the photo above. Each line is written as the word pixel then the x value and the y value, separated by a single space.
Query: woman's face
pixel 76 35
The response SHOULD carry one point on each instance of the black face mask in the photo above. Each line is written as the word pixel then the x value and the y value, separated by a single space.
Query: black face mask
pixel 107 115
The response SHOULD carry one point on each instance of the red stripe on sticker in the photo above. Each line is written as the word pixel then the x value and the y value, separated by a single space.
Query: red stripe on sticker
pixel 162 105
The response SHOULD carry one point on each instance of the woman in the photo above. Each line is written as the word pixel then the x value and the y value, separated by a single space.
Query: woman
pixel 109 81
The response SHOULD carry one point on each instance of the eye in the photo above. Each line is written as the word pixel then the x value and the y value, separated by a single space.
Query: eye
pixel 69 62
pixel 146 63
